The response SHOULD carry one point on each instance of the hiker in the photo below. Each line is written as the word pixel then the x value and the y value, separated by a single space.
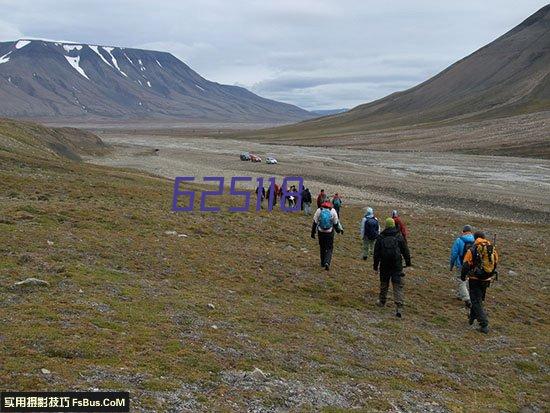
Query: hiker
pixel 337 203
pixel 400 225
pixel 389 250
pixel 370 229
pixel 260 192
pixel 322 197
pixel 275 190
pixel 325 222
pixel 460 246
pixel 291 198
pixel 306 201
pixel 479 268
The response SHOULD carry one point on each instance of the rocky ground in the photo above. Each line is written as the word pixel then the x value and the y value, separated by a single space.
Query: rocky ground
pixel 504 187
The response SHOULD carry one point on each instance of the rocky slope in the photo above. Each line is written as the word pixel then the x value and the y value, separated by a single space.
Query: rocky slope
pixel 54 80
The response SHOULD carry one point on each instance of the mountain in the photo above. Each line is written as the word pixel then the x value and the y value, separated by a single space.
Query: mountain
pixel 510 76
pixel 58 80
pixel 326 112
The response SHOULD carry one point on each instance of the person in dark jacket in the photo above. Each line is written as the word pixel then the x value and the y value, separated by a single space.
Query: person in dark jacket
pixel 389 251
pixel 306 201
pixel 479 279
pixel 260 193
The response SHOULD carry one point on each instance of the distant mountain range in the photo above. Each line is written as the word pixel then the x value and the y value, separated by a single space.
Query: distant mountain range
pixel 325 112
pixel 510 76
pixel 50 80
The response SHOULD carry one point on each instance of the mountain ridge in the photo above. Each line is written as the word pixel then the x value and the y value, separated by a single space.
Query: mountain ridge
pixel 49 79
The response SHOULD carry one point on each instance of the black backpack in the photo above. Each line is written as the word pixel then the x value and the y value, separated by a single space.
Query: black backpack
pixel 371 228
pixel 389 249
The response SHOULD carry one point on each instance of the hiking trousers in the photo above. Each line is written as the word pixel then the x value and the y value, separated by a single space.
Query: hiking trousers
pixel 461 287
pixel 368 247
pixel 477 296
pixel 326 244
pixel 397 286
pixel 307 208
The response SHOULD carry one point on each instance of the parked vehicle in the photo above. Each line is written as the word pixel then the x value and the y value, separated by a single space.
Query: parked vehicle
pixel 245 156
pixel 255 158
pixel 271 161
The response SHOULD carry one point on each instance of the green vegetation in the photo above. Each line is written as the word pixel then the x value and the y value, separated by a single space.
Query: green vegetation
pixel 127 307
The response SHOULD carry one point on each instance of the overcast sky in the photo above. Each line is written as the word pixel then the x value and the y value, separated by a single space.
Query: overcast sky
pixel 317 54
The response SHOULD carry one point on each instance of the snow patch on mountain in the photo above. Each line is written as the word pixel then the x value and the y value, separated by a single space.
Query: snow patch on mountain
pixel 130 60
pixel 200 87
pixel 71 47
pixel 75 63
pixel 110 50
pixel 5 58
pixel 158 63
pixel 96 50
pixel 22 43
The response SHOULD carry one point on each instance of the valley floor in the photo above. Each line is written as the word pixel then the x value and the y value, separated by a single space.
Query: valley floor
pixel 503 187
pixel 180 308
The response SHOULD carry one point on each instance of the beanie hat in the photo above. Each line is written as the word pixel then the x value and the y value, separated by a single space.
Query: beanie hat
pixel 467 228
pixel 326 204
pixel 370 212
pixel 390 223
pixel 394 213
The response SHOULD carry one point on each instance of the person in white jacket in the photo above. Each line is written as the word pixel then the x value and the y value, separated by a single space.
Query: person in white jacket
pixel 370 229
pixel 325 223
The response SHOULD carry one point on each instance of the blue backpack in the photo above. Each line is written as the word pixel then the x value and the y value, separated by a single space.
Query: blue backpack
pixel 325 219
pixel 371 228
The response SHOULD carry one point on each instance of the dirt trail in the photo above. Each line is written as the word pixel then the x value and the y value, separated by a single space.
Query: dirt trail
pixel 502 187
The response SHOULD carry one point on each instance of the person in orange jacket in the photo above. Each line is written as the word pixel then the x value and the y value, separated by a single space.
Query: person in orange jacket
pixel 479 267
pixel 400 225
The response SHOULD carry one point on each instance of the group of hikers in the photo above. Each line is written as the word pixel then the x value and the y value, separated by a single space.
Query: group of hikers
pixel 305 199
pixel 472 254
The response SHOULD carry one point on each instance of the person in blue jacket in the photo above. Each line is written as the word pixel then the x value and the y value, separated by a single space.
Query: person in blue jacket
pixel 458 251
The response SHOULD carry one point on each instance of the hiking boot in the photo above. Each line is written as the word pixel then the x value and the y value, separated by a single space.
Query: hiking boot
pixel 468 304
pixel 398 313
pixel 327 267
pixel 484 329
pixel 380 303
pixel 471 320
pixel 365 258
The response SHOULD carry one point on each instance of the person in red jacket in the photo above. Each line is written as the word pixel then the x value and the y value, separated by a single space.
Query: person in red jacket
pixel 400 225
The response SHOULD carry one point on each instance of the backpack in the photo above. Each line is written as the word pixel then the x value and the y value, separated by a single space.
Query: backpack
pixel 390 251
pixel 337 202
pixel 467 246
pixel 325 219
pixel 484 258
pixel 371 228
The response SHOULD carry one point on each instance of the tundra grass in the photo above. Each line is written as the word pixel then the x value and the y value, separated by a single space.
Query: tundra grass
pixel 127 307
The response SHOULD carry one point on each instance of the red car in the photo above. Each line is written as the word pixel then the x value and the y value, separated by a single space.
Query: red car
pixel 255 158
